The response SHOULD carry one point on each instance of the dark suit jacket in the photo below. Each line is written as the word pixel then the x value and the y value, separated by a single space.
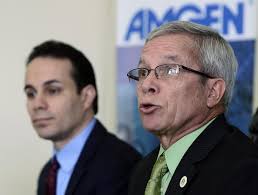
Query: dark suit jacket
pixel 221 161
pixel 104 166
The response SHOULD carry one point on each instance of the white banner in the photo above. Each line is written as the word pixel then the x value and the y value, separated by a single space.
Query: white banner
pixel 232 19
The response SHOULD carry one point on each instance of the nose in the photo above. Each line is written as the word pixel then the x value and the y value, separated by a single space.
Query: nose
pixel 149 85
pixel 39 103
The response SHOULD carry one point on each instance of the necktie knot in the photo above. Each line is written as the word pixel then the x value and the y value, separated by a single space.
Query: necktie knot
pixel 158 171
pixel 54 164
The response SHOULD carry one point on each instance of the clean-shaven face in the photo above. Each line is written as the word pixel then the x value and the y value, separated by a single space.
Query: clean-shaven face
pixel 55 108
pixel 175 103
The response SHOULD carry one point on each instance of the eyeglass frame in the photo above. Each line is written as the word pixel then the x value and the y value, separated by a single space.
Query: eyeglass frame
pixel 156 74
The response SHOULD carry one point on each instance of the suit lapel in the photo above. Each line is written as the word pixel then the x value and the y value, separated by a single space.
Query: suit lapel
pixel 88 153
pixel 199 150
pixel 43 180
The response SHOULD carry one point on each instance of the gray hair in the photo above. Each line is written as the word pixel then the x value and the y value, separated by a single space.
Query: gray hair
pixel 213 52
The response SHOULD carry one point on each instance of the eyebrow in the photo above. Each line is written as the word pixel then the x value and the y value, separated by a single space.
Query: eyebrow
pixel 141 60
pixel 171 57
pixel 29 86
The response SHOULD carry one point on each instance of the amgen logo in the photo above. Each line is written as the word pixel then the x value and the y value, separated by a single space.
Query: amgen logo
pixel 221 17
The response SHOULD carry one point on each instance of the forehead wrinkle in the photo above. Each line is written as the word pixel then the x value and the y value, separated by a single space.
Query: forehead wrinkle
pixel 166 57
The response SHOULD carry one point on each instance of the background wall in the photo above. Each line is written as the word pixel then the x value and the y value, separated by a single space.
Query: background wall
pixel 89 26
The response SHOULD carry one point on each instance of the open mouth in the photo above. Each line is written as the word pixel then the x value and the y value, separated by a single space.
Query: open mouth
pixel 148 108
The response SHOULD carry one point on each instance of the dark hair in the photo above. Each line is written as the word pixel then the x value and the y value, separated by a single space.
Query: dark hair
pixel 82 70
pixel 253 129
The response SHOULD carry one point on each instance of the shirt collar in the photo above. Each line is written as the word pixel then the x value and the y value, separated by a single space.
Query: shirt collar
pixel 69 154
pixel 175 152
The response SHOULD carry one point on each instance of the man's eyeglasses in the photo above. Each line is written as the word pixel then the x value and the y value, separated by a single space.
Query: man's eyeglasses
pixel 162 71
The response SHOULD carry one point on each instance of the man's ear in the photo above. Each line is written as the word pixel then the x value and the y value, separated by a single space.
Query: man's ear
pixel 88 94
pixel 216 90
